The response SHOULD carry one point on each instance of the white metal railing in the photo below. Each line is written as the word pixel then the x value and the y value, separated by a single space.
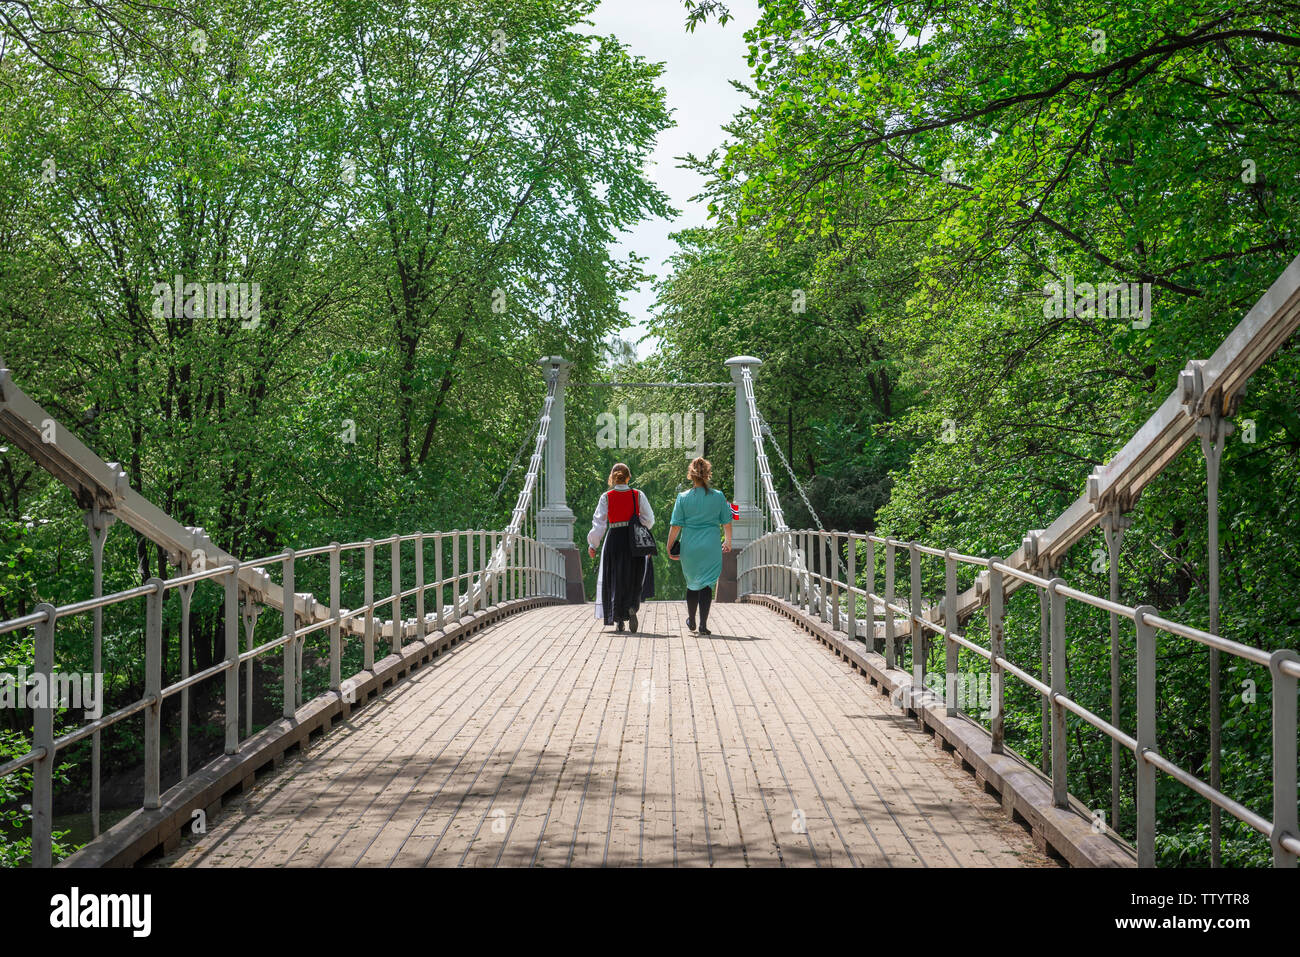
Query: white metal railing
pixel 497 566
pixel 527 569
pixel 1207 392
pixel 764 568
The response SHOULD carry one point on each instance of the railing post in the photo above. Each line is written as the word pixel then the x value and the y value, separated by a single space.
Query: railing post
pixel 997 647
pixel 949 629
pixel 395 645
pixel 43 739
pixel 792 574
pixel 1044 670
pixel 498 552
pixel 419 585
pixel 532 567
pixel 507 548
pixel 336 629
pixel 774 564
pixel 369 638
pixel 833 549
pixel 98 522
pixel 1113 525
pixel 891 639
pixel 232 657
pixel 914 610
pixel 764 566
pixel 291 643
pixel 851 597
pixel 483 570
pixel 1060 782
pixel 153 693
pixel 1286 821
pixel 512 569
pixel 455 574
pixel 808 557
pixel 1146 736
pixel 827 574
pixel 186 594
pixel 1213 429
pixel 252 611
pixel 742 561
pixel 778 564
pixel 437 576
pixel 789 581
pixel 470 602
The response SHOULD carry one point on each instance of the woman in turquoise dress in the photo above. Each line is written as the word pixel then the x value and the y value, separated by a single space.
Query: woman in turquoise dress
pixel 698 514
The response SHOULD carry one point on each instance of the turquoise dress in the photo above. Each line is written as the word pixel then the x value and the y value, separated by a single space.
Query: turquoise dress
pixel 701 515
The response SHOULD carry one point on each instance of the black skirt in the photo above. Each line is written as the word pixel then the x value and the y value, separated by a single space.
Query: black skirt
pixel 626 580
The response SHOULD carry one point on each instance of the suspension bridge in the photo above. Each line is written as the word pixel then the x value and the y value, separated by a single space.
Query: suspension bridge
pixel 493 722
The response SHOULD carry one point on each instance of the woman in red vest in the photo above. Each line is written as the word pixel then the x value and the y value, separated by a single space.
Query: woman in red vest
pixel 623 580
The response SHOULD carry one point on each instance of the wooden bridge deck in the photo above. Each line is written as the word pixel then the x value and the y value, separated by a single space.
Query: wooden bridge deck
pixel 550 740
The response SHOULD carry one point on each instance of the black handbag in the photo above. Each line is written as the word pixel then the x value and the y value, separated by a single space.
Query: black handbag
pixel 642 542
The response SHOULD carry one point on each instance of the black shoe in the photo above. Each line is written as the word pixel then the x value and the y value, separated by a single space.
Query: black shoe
pixel 631 622
pixel 705 631
pixel 690 624
pixel 620 627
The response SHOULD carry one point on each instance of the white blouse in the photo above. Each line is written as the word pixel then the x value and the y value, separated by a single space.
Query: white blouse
pixel 600 520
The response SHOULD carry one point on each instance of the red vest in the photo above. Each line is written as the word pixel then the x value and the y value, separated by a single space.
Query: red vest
pixel 621 504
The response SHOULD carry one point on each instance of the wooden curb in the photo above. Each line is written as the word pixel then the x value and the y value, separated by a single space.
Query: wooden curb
pixel 143 833
pixel 1026 794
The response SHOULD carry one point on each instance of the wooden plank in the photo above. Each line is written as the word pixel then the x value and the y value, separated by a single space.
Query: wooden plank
pixel 550 740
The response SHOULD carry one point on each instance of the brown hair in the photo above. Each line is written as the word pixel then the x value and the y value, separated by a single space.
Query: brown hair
pixel 700 471
pixel 620 474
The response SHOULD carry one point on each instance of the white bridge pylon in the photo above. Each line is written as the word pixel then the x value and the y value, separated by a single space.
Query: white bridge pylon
pixel 555 519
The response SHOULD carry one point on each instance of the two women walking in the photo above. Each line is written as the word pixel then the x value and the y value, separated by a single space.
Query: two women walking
pixel 700 527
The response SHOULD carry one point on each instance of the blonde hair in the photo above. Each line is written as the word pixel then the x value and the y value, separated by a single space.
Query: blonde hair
pixel 700 471
pixel 620 474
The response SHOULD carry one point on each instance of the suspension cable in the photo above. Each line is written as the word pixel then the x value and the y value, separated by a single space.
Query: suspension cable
pixel 764 476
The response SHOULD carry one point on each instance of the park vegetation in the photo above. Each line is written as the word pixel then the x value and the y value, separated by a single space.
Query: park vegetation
pixel 427 195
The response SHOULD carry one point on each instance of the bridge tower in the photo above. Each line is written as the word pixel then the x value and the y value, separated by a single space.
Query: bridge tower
pixel 554 517
pixel 750 524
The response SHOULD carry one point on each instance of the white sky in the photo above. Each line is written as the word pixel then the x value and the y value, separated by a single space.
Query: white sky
pixel 698 68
